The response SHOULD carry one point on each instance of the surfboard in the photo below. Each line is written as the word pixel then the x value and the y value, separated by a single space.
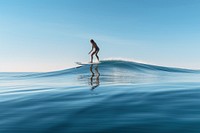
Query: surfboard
pixel 86 63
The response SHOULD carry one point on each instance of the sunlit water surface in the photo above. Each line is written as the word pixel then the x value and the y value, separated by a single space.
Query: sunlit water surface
pixel 112 96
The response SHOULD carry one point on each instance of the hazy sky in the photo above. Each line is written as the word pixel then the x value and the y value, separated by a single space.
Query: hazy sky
pixel 46 35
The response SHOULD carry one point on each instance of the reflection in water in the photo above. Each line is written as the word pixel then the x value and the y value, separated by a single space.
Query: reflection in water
pixel 94 79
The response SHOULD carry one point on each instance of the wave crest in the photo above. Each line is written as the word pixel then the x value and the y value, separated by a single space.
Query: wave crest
pixel 118 66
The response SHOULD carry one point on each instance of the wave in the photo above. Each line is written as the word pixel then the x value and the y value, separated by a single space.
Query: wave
pixel 136 66
pixel 114 66
pixel 119 95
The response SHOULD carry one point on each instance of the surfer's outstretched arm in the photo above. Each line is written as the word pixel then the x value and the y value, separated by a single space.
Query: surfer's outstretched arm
pixel 91 50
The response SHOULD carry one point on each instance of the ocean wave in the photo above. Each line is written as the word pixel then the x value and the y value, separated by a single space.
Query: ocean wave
pixel 107 66
pixel 132 65
pixel 113 94
pixel 111 72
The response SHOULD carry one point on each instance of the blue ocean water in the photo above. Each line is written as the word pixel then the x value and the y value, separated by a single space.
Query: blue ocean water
pixel 112 96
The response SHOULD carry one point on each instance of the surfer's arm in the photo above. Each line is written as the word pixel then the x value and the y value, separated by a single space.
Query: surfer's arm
pixel 91 50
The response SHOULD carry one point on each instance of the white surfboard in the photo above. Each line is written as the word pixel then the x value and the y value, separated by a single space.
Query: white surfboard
pixel 86 63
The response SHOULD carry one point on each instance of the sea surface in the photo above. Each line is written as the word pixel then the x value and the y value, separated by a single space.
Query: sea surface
pixel 113 96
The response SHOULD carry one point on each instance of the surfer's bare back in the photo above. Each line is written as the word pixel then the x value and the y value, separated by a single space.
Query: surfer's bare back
pixel 96 50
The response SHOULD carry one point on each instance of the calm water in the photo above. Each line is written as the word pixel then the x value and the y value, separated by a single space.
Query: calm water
pixel 113 96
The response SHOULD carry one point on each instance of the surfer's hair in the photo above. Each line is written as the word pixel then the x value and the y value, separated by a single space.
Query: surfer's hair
pixel 92 40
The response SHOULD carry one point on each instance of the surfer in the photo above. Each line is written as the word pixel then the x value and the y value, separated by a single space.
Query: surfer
pixel 96 50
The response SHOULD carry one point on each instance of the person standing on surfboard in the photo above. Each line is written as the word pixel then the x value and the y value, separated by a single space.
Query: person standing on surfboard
pixel 96 50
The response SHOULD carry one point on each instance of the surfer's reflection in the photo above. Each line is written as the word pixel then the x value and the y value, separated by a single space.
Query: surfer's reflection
pixel 94 79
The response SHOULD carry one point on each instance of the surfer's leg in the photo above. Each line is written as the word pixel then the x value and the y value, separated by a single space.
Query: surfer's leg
pixel 92 56
pixel 97 55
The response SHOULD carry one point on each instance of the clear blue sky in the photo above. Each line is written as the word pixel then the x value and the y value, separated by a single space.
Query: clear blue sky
pixel 45 35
